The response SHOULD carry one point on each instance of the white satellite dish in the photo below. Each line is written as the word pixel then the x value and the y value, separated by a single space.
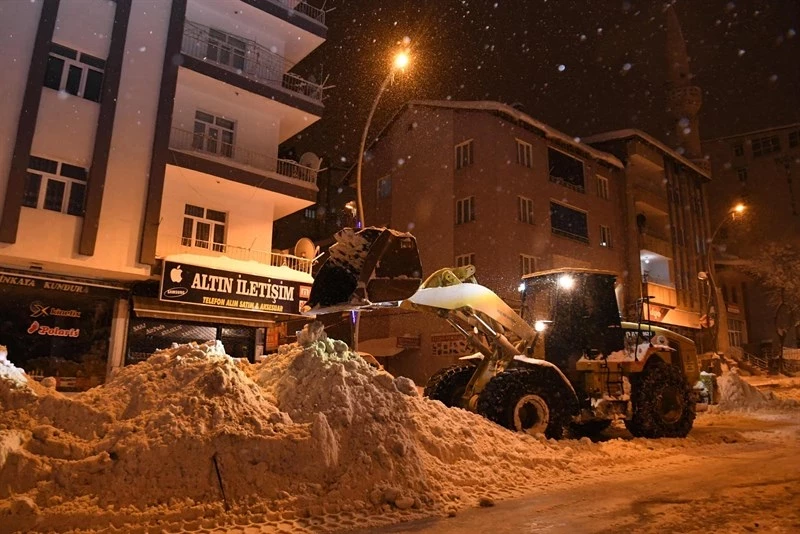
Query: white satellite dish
pixel 311 160
pixel 305 248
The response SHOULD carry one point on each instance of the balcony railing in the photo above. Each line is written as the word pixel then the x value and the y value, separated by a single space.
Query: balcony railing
pixel 661 294
pixel 213 148
pixel 247 58
pixel 569 185
pixel 169 245
pixel 306 9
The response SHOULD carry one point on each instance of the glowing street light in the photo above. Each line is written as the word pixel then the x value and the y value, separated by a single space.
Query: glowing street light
pixel 400 61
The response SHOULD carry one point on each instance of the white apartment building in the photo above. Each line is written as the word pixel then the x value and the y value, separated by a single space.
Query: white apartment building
pixel 140 178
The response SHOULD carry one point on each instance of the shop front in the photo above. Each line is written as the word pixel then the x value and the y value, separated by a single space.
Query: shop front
pixel 58 327
pixel 199 298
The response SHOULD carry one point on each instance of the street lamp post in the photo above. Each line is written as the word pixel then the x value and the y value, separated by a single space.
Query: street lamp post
pixel 400 62
pixel 714 290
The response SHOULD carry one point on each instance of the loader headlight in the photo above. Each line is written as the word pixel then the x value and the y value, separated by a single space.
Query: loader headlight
pixel 565 281
pixel 539 326
pixel 521 287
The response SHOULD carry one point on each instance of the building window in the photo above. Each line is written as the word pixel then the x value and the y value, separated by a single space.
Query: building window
pixel 464 154
pixel 465 259
pixel 602 187
pixel 465 210
pixel 525 210
pixel 74 72
pixel 226 49
pixel 742 174
pixel 569 222
pixel 310 213
pixel 527 264
pixel 766 145
pixel 524 154
pixel 794 138
pixel 56 186
pixel 385 187
pixel 735 332
pixel 565 170
pixel 204 228
pixel 213 134
pixel 605 236
pixel 738 150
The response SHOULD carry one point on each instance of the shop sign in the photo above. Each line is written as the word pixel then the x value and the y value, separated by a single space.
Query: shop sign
pixel 732 308
pixel 449 345
pixel 192 284
pixel 66 287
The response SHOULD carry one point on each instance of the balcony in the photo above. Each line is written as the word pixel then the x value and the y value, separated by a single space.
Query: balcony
pixel 579 188
pixel 306 9
pixel 216 149
pixel 170 245
pixel 656 244
pixel 246 58
pixel 661 294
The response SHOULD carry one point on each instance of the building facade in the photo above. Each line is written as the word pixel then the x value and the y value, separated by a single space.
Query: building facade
pixel 760 169
pixel 141 176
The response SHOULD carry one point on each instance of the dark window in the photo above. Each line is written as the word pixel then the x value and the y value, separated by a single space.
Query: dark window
pixel 569 222
pixel 385 187
pixel 215 215
pixel 94 85
pixel 202 233
pixel 54 195
pixel 766 145
pixel 794 138
pixel 56 48
pixel 30 196
pixel 195 211
pixel 465 210
pixel 738 149
pixel 77 196
pixel 52 76
pixel 45 165
pixel 71 171
pixel 186 235
pixel 93 61
pixel 565 170
pixel 742 174
pixel 73 86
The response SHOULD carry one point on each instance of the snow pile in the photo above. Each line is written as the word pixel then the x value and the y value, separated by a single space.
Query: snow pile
pixel 737 394
pixel 9 371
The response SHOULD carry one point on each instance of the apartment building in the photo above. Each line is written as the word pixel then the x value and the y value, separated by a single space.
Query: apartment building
pixel 760 169
pixel 141 177
pixel 483 183
pixel 665 232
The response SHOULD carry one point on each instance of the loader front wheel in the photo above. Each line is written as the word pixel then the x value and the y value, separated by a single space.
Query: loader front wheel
pixel 448 384
pixel 663 406
pixel 524 401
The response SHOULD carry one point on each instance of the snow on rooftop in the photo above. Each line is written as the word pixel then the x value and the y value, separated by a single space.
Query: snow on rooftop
pixel 253 267
pixel 549 132
pixel 632 132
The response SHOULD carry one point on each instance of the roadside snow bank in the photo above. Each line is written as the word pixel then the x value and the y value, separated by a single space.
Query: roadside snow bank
pixel 737 394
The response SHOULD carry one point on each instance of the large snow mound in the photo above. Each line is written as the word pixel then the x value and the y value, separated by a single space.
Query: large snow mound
pixel 737 394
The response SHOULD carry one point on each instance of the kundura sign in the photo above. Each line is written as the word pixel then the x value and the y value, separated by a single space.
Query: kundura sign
pixel 206 286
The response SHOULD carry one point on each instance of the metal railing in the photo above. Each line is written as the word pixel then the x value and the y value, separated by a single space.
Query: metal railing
pixel 569 185
pixel 306 9
pixel 170 244
pixel 213 147
pixel 247 58
pixel 742 355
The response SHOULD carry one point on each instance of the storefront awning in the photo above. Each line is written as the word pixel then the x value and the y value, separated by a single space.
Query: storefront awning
pixel 159 309
pixel 684 318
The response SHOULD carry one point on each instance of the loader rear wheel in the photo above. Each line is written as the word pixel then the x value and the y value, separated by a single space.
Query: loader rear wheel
pixel 524 401
pixel 663 406
pixel 448 384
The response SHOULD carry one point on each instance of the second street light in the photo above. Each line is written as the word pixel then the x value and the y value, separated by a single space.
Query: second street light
pixel 714 307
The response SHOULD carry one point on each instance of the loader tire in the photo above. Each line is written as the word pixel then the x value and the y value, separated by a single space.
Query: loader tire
pixel 524 401
pixel 663 406
pixel 448 384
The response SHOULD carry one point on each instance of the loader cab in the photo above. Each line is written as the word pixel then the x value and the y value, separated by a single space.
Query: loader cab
pixel 576 311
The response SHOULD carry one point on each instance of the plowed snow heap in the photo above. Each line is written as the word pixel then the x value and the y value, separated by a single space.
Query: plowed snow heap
pixel 191 431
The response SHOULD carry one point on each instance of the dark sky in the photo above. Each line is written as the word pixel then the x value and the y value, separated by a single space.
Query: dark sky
pixel 582 66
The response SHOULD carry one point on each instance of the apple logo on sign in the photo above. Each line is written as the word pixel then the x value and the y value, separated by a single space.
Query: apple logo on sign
pixel 176 274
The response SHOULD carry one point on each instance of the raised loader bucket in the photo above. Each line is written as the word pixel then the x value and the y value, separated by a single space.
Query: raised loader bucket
pixel 366 268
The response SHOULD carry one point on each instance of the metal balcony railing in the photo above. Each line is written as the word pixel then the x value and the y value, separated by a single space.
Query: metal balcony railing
pixel 306 9
pixel 169 245
pixel 214 148
pixel 566 183
pixel 247 58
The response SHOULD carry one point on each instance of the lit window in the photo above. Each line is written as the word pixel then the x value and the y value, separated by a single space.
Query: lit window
pixel 204 228
pixel 524 154
pixel 525 210
pixel 602 187
pixel 310 213
pixel 605 236
pixel 55 186
pixel 74 72
pixel 464 154
pixel 465 210
pixel 465 259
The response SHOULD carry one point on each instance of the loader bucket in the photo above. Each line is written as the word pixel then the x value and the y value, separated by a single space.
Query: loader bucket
pixel 366 268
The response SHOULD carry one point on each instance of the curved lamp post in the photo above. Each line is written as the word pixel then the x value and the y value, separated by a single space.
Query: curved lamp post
pixel 714 290
pixel 400 62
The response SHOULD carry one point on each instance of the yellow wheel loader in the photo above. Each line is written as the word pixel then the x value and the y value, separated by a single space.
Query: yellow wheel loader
pixel 566 361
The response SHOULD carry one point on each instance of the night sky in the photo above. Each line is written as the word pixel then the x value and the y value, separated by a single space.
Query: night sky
pixel 581 66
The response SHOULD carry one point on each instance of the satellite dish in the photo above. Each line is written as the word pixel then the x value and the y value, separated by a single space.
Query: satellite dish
pixel 311 160
pixel 305 248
